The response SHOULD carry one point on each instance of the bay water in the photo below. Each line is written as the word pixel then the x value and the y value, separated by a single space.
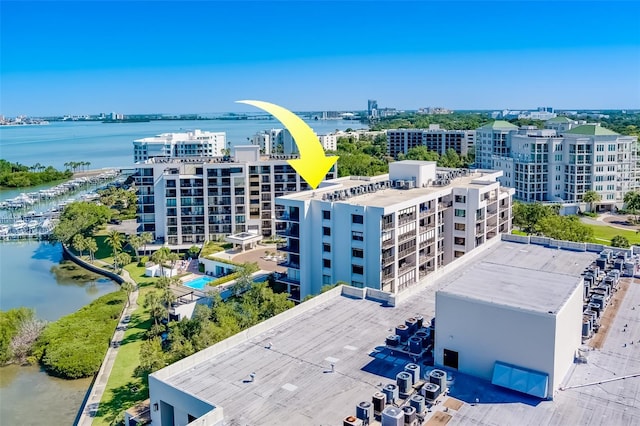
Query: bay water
pixel 28 396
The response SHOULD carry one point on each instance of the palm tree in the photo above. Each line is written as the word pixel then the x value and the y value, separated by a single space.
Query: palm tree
pixel 146 238
pixel 122 259
pixel 128 287
pixel 114 239
pixel 91 246
pixel 135 241
pixel 160 256
pixel 79 243
pixel 163 283
pixel 153 303
pixel 591 197
pixel 167 298
pixel 173 258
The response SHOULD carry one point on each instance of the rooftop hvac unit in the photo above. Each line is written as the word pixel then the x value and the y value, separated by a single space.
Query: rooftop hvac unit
pixel 417 402
pixel 379 401
pixel 419 321
pixel 392 416
pixel 402 331
pixel 364 411
pixel 414 370
pixel 405 383
pixel 412 324
pixel 438 377
pixel 431 391
pixel 424 338
pixel 410 418
pixel 351 421
pixel 415 345
pixel 393 340
pixel 391 392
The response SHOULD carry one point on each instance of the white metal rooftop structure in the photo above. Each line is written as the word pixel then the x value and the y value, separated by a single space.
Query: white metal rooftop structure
pixel 524 277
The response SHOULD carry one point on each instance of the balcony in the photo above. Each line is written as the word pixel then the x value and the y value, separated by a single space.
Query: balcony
pixel 289 232
pixel 286 279
pixel 425 213
pixel 406 267
pixel 386 261
pixel 288 264
pixel 407 236
pixel 290 249
pixel 388 243
pixel 388 225
pixel 406 252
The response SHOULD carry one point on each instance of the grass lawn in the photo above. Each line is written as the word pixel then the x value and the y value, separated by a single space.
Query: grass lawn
pixel 604 234
pixel 518 232
pixel 124 388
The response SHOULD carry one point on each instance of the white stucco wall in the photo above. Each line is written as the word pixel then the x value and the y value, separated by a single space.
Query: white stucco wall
pixel 484 333
pixel 568 335
pixel 183 404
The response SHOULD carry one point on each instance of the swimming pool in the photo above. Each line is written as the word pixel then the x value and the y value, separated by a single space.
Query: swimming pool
pixel 198 283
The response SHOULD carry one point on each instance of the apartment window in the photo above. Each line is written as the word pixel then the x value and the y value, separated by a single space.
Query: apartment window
pixel 459 241
pixel 357 269
pixel 460 213
pixel 358 284
pixel 599 158
pixel 326 231
pixel 357 236
pixel 326 279
pixel 600 148
pixel 357 218
pixel 326 263
pixel 611 158
pixel 599 168
pixel 612 147
pixel 610 187
pixel 326 214
pixel 357 253
pixel 459 226
pixel 460 199
pixel 326 248
pixel 458 253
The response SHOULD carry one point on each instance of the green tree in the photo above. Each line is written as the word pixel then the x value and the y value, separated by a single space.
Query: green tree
pixel 121 259
pixel 450 159
pixel 632 202
pixel 420 153
pixel 160 256
pixel 152 357
pixel 79 243
pixel 114 240
pixel 153 303
pixel 92 247
pixel 146 238
pixel 245 278
pixel 591 197
pixel 527 216
pixel 567 228
pixel 129 288
pixel 80 218
pixel 620 241
pixel 135 241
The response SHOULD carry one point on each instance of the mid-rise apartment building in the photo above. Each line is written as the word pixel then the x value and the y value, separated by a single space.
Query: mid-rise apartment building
pixel 436 139
pixel 192 200
pixel 545 165
pixel 388 232
pixel 280 141
pixel 196 143
pixel 492 139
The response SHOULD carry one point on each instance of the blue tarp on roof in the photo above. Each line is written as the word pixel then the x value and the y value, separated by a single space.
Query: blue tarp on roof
pixel 520 379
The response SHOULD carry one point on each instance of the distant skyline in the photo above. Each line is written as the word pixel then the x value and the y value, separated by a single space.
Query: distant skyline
pixel 197 57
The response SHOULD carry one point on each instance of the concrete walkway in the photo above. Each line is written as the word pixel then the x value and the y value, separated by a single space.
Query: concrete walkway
pixel 601 221
pixel 90 407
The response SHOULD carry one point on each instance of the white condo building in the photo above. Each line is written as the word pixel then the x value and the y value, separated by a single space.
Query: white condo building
pixel 388 232
pixel 436 139
pixel 196 143
pixel 280 141
pixel 544 165
pixel 192 200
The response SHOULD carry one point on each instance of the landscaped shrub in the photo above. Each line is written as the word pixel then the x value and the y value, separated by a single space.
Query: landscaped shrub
pixel 225 279
pixel 74 346
pixel 143 261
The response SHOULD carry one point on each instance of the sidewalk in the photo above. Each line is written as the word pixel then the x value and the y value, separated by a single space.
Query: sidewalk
pixel 90 407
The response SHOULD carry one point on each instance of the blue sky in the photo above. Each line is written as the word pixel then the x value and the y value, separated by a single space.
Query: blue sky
pixel 144 57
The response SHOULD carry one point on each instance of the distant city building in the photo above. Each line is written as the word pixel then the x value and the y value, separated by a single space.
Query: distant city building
pixel 542 113
pixel 280 141
pixel 196 143
pixel 434 111
pixel 399 141
pixel 372 108
pixel 562 162
pixel 189 200
pixel 388 232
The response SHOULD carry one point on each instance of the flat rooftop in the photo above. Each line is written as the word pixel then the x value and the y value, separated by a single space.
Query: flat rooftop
pixel 527 277
pixel 387 197
pixel 292 360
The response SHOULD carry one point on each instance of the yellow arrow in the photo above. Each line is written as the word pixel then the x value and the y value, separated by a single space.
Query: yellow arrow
pixel 312 165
